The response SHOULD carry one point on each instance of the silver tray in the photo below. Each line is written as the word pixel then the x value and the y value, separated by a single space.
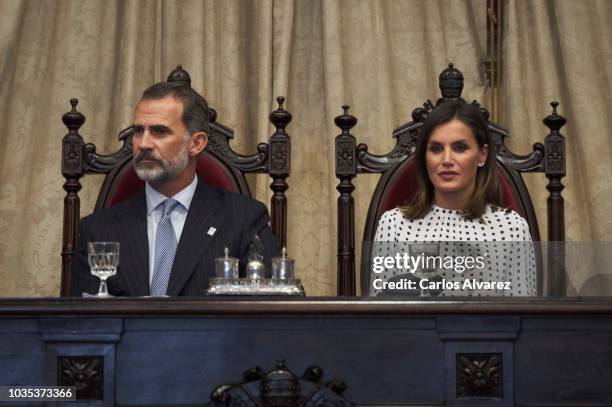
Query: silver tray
pixel 244 286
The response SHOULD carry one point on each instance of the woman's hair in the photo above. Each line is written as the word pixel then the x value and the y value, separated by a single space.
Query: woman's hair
pixel 487 187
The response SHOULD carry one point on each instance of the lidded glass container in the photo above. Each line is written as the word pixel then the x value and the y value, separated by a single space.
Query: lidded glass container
pixel 226 267
pixel 282 267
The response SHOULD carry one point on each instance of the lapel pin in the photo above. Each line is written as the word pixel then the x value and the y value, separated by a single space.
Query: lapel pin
pixel 211 231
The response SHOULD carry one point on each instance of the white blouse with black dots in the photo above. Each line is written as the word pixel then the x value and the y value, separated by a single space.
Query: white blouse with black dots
pixel 500 236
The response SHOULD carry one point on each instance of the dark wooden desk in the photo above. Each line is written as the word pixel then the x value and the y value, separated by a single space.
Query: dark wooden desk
pixel 175 351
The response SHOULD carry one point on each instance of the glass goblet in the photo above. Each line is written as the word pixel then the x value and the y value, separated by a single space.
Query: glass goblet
pixel 103 260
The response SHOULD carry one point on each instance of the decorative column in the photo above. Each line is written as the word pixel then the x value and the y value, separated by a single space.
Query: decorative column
pixel 346 169
pixel 554 168
pixel 279 166
pixel 72 169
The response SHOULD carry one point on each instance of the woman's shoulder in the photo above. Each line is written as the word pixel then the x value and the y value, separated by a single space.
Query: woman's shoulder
pixel 390 219
pixel 392 214
pixel 396 216
pixel 505 217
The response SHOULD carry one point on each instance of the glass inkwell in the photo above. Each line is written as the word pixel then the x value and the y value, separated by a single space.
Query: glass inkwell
pixel 226 274
pixel 255 268
pixel 283 281
pixel 282 268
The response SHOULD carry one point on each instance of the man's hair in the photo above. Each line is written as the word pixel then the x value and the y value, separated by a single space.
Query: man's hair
pixel 195 108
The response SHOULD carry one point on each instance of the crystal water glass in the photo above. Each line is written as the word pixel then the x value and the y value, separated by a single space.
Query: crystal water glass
pixel 103 260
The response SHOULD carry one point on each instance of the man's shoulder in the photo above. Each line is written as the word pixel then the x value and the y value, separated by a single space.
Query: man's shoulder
pixel 236 201
pixel 106 214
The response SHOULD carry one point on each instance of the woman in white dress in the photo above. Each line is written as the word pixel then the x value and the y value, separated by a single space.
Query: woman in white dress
pixel 458 200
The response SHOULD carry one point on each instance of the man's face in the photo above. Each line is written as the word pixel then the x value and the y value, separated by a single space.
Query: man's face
pixel 160 141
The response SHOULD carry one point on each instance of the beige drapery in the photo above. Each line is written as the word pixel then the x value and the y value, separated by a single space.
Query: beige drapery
pixel 381 57
pixel 562 50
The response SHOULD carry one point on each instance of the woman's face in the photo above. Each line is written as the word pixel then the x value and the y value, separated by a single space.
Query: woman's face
pixel 452 159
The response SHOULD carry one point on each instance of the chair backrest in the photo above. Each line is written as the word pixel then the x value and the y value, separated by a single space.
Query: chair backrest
pixel 218 166
pixel 397 184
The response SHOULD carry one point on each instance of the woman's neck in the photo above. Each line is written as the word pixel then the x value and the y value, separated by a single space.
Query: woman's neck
pixel 457 201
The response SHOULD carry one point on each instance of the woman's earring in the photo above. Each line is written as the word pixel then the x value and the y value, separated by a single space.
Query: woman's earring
pixel 481 164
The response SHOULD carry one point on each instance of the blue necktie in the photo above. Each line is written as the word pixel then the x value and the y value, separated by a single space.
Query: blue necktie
pixel 165 249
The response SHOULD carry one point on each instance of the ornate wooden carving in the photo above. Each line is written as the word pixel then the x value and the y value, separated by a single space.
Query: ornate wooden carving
pixel 86 373
pixel 353 159
pixel 554 167
pixel 179 75
pixel 479 375
pixel 100 163
pixel 346 167
pixel 279 166
pixel 72 170
pixel 451 84
pixel 280 388
pixel 78 159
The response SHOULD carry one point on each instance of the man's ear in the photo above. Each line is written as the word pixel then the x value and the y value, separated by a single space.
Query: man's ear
pixel 199 140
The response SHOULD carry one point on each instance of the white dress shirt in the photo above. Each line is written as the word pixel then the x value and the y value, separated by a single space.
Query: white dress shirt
pixel 177 217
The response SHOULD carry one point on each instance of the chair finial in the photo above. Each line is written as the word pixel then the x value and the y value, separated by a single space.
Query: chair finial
pixel 280 118
pixel 280 387
pixel 554 105
pixel 345 121
pixel 73 119
pixel 212 115
pixel 179 75
pixel 451 82
pixel 554 121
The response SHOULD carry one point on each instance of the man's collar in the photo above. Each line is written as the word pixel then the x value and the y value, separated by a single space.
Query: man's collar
pixel 154 198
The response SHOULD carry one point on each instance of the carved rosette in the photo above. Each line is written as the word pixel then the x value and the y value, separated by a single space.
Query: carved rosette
pixel 555 156
pixel 72 143
pixel 346 164
pixel 72 156
pixel 479 375
pixel 345 157
pixel 83 372
pixel 278 155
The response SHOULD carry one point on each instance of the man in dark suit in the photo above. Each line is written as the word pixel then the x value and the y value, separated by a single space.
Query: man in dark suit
pixel 171 232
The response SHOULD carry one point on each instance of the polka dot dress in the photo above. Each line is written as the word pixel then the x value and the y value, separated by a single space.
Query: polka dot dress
pixel 501 239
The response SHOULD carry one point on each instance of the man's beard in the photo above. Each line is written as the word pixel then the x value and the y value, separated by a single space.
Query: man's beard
pixel 160 170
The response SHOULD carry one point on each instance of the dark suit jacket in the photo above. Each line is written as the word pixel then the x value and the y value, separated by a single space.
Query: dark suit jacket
pixel 235 217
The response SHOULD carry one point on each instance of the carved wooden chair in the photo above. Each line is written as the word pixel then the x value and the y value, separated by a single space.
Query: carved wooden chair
pixel 281 387
pixel 218 166
pixel 397 184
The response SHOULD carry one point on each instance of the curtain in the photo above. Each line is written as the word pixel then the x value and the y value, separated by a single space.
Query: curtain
pixel 105 53
pixel 380 57
pixel 383 59
pixel 562 50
